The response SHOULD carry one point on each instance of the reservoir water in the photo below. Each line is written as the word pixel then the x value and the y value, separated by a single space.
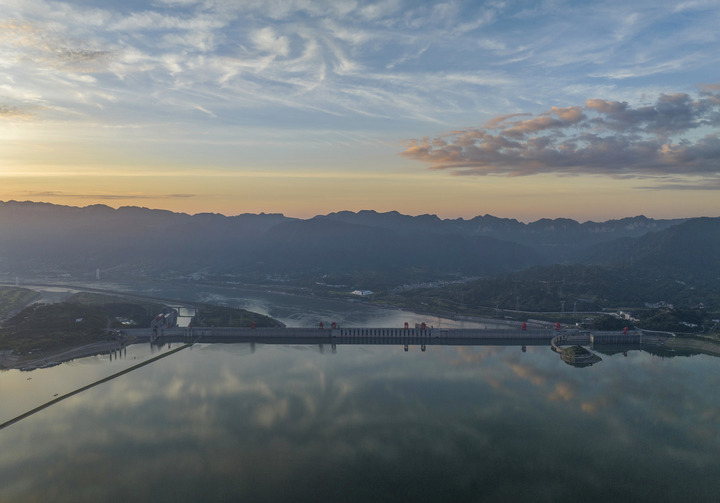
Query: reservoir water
pixel 241 422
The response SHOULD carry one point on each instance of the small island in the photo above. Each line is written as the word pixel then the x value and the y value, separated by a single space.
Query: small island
pixel 578 356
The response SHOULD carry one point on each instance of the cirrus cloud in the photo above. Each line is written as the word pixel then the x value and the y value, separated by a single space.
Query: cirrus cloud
pixel 678 134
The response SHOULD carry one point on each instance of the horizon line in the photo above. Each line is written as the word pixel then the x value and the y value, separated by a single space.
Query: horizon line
pixel 356 212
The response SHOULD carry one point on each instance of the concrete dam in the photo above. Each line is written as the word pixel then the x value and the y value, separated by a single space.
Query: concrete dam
pixel 364 335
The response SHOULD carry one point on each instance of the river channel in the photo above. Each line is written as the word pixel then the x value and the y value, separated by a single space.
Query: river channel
pixel 262 422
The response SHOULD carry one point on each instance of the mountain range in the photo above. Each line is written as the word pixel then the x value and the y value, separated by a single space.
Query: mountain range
pixel 364 249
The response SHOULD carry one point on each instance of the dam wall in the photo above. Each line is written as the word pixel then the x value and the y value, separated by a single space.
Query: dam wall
pixel 384 335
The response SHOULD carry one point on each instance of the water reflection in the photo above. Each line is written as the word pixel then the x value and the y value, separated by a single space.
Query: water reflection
pixel 23 391
pixel 259 422
pixel 278 422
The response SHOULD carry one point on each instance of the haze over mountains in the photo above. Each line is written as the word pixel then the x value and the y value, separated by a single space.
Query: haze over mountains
pixel 358 250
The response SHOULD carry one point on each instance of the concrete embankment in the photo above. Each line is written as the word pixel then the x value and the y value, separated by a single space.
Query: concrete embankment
pixel 12 361
pixel 698 345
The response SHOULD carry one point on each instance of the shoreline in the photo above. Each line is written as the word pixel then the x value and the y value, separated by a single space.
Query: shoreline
pixel 10 361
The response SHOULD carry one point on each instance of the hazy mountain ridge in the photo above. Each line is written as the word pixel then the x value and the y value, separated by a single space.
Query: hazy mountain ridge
pixel 678 265
pixel 336 246
pixel 561 236
pixel 102 237
pixel 488 224
pixel 392 248
pixel 687 250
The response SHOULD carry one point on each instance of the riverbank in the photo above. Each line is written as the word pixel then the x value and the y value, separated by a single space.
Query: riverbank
pixel 10 360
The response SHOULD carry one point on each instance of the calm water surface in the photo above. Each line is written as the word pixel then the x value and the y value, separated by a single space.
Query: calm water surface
pixel 231 422
pixel 235 422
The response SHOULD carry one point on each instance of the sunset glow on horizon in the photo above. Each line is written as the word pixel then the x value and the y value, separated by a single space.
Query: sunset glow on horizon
pixel 554 109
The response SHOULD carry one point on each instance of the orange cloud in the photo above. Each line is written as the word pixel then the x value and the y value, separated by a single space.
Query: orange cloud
pixel 602 137
pixel 528 373
pixel 593 407
pixel 563 392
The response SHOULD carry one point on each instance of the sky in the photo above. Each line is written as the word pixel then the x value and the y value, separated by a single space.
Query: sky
pixel 519 109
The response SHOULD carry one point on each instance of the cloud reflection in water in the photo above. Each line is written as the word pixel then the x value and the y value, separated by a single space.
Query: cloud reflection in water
pixel 221 422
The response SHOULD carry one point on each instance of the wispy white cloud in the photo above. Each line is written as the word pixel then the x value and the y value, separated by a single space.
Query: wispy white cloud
pixel 156 21
pixel 379 9
pixel 691 5
pixel 266 40
pixel 644 69
pixel 205 111
pixel 393 61
pixel 407 57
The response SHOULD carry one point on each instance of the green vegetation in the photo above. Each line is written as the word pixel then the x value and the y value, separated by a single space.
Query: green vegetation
pixel 47 327
pixel 539 289
pixel 605 322
pixel 583 288
pixel 88 317
pixel 578 356
pixel 13 299
pixel 576 351
pixel 118 308
pixel 689 321
pixel 574 289
pixel 681 321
